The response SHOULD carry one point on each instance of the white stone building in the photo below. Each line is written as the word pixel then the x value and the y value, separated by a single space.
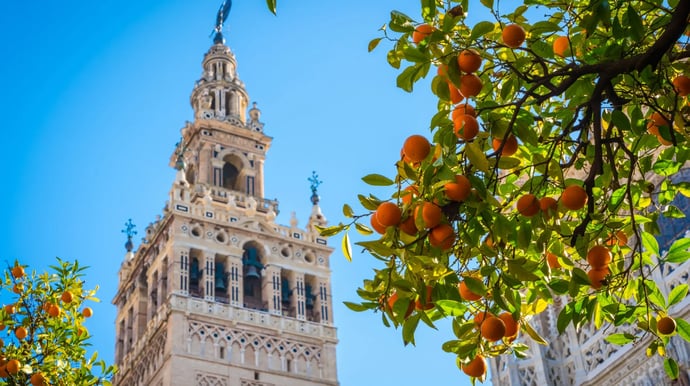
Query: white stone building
pixel 584 358
pixel 218 293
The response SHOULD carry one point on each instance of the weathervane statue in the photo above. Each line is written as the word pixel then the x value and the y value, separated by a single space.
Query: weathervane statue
pixel 222 16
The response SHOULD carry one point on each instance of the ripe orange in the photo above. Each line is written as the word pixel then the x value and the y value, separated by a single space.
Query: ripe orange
pixel 54 310
pixel 455 95
pixel 10 309
pixel 659 119
pixel 442 70
pixel 87 312
pixel 20 332
pixel 428 303
pixel 388 214
pixel 512 326
pixel 421 32
pixel 552 260
pixel 409 193
pixel 376 224
pixel 561 45
pixel 466 127
pixel 548 206
pixel 509 148
pixel 67 297
pixel 460 190
pixel 599 257
pixel 481 316
pixel 513 35
pixel 466 293
pixel 597 276
pixel 476 367
pixel 394 298
pixel 469 61
pixel 463 109
pixel 37 379
pixel 408 226
pixel 493 329
pixel 470 85
pixel 442 236
pixel 431 214
pixel 619 238
pixel 17 288
pixel 682 85
pixel 13 366
pixel 416 148
pixel 528 205
pixel 666 325
pixel 574 197
pixel 654 130
pixel 17 271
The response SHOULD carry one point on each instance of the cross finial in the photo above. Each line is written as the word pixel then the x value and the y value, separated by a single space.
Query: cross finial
pixel 130 232
pixel 314 179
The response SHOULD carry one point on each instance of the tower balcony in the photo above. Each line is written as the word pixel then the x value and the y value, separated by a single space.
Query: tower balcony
pixel 235 198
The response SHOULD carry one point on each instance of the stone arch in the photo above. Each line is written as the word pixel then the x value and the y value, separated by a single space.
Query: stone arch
pixel 253 261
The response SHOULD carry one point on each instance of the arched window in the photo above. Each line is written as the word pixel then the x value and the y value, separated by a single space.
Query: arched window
pixel 252 267
pixel 230 174
pixel 194 277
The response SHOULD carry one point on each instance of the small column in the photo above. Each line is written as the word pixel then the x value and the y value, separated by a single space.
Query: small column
pixel 322 301
pixel 271 290
pixel 182 272
pixel 205 155
pixel 259 182
pixel 234 267
pixel 209 277
pixel 298 298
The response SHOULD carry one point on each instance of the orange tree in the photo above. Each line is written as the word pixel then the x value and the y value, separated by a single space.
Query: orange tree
pixel 43 338
pixel 551 161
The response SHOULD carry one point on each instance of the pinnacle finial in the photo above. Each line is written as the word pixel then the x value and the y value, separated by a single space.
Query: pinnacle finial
pixel 314 179
pixel 221 17
pixel 129 231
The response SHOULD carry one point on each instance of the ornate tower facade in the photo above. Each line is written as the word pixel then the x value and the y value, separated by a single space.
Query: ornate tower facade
pixel 218 293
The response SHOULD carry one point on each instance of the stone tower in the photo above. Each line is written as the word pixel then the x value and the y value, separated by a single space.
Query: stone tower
pixel 218 293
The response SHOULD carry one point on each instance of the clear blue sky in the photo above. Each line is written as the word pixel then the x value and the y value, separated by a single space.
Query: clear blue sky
pixel 93 95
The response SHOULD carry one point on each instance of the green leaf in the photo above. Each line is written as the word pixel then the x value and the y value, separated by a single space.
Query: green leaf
pixel 373 43
pixel 356 306
pixel 534 334
pixel 650 244
pixel 487 3
pixel 377 180
pixel 451 307
pixel 518 270
pixel 665 167
pixel 671 368
pixel 683 329
pixel 620 120
pixel 409 327
pixel 271 4
pixel 635 23
pixel 542 27
pixel 481 29
pixel 330 231
pixel 415 55
pixel 677 294
pixel 406 78
pixel 400 22
pixel 347 248
pixel 673 212
pixel 620 339
pixel 363 229
pixel 477 157
pixel 564 318
pixel 347 211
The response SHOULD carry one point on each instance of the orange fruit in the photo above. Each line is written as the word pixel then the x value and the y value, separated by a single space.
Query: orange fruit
pixel 597 276
pixel 455 95
pixel 659 119
pixel 13 366
pixel 20 333
pixel 528 205
pixel 10 309
pixel 466 127
pixel 17 271
pixel 512 326
pixel 408 194
pixel 666 325
pixel 37 379
pixel 561 45
pixel 509 148
pixel 552 260
pixel 388 214
pixel 67 297
pixel 17 288
pixel 442 236
pixel 489 242
pixel 469 61
pixel 416 148
pixel 481 316
pixel 682 85
pixel 513 35
pixel 408 226
pixel 394 298
pixel 54 310
pixel 442 70
pixel 87 312
pixel 431 214
pixel 376 224
pixel 619 238
pixel 599 257
pixel 493 329
pixel 476 367
pixel 428 304
pixel 654 129
pixel 548 206
pixel 460 190
pixel 470 85
pixel 463 109
pixel 574 197
pixel 421 32
pixel 466 293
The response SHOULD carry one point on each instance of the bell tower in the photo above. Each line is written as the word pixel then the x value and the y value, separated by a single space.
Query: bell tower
pixel 217 293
